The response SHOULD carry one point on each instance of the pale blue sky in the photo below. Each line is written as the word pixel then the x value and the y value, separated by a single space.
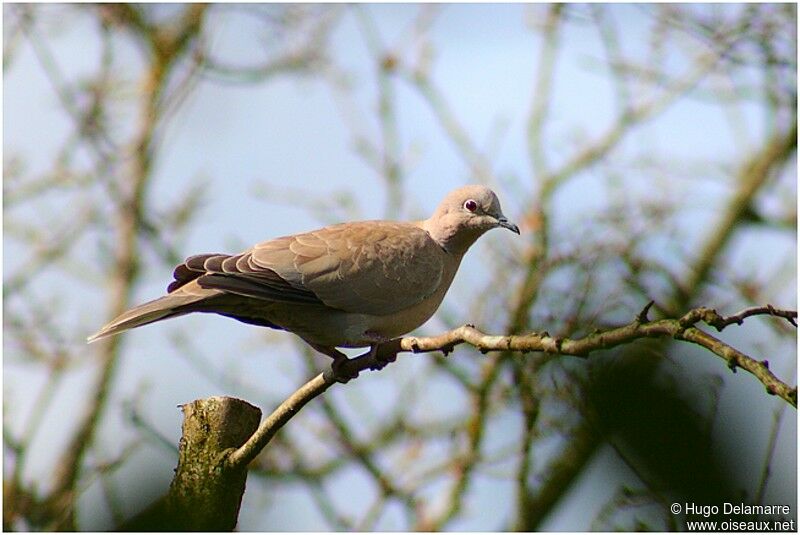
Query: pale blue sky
pixel 290 132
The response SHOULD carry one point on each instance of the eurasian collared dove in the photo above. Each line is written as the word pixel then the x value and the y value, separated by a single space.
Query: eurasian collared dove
pixel 347 285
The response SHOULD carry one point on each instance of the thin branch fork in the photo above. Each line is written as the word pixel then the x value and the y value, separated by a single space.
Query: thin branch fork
pixel 683 328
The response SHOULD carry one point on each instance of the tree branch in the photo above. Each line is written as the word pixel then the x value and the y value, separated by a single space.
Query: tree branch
pixel 683 328
pixel 205 494
pixel 248 451
pixel 679 329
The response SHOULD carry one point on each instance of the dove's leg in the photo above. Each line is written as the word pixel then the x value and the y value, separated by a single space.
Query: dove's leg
pixel 332 352
pixel 378 356
pixel 381 352
pixel 342 374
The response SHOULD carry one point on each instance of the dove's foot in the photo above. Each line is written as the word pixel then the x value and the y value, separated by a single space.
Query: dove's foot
pixel 381 353
pixel 382 350
pixel 343 369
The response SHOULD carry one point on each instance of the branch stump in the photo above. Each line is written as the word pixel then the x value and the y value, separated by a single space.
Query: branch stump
pixel 206 492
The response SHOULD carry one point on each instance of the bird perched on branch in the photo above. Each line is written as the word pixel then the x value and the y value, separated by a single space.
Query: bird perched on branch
pixel 347 285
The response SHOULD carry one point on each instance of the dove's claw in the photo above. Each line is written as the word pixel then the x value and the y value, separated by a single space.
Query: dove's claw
pixel 385 357
pixel 381 351
pixel 342 370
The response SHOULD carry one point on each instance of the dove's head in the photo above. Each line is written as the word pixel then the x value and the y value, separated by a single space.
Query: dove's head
pixel 464 215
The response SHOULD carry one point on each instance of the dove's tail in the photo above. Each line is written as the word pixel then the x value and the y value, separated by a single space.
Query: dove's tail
pixel 162 308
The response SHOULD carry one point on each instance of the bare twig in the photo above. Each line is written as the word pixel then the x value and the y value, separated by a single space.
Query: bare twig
pixel 711 317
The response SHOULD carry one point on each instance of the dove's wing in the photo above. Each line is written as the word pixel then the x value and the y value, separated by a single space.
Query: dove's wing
pixel 372 267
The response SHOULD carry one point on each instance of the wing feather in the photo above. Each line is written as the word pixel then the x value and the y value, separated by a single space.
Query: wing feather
pixel 373 267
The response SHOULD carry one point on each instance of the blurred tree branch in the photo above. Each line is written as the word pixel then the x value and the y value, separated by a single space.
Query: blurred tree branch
pixel 165 50
pixel 580 273
pixel 172 52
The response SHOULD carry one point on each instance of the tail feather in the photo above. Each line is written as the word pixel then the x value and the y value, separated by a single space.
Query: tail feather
pixel 162 308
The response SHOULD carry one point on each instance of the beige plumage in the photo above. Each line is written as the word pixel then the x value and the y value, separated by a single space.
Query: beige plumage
pixel 347 285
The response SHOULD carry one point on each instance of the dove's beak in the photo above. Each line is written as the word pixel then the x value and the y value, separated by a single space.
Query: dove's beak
pixel 505 223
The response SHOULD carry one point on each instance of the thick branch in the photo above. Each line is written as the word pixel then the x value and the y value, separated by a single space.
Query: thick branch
pixel 201 495
pixel 205 494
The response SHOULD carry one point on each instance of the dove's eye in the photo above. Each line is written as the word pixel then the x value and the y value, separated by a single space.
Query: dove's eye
pixel 470 205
